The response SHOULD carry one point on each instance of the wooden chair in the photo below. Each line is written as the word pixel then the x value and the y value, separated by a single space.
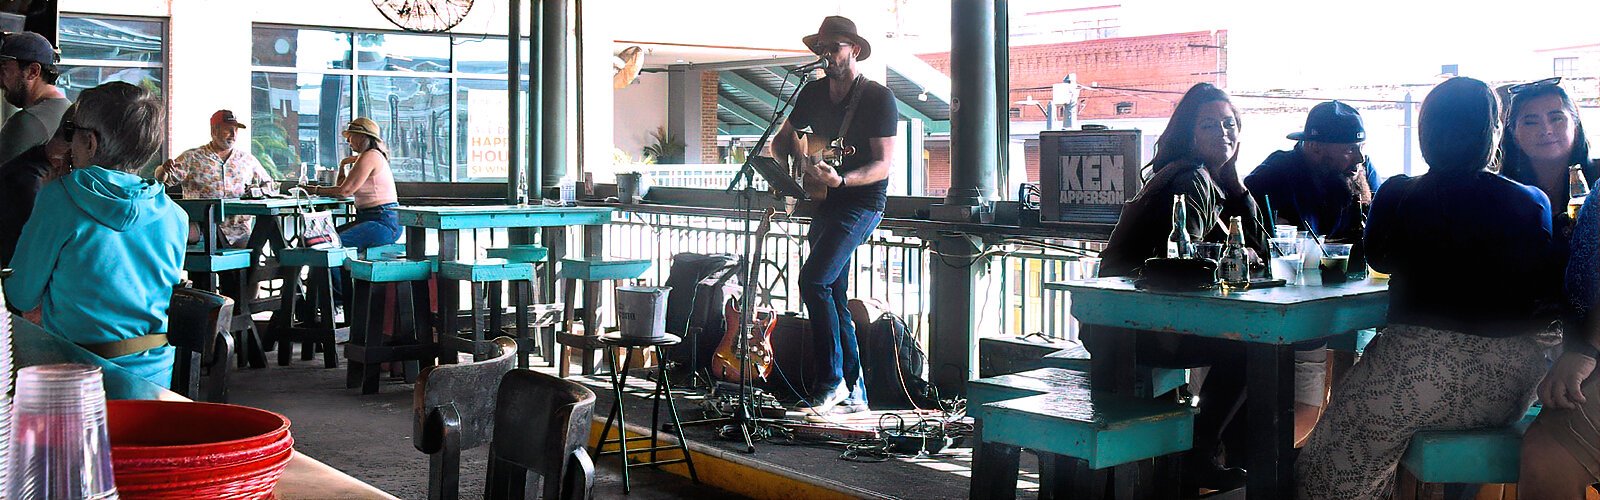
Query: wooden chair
pixel 197 326
pixel 454 408
pixel 543 424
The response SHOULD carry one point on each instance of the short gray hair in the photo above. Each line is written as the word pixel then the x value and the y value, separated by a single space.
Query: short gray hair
pixel 130 123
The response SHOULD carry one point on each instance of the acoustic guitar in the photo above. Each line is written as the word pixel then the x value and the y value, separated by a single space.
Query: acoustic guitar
pixel 725 363
pixel 819 150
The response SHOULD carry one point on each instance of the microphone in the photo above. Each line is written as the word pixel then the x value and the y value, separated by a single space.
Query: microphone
pixel 821 62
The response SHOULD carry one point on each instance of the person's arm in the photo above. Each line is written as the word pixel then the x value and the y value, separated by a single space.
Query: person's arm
pixel 785 146
pixel 174 171
pixel 877 168
pixel 43 238
pixel 879 118
pixel 258 173
pixel 22 132
pixel 352 182
pixel 1561 387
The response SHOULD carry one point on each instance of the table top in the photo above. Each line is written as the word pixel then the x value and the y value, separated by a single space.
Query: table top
pixel 268 206
pixel 502 216
pixel 1276 315
pixel 305 478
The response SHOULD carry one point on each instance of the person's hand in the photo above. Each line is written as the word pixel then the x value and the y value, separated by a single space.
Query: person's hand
pixel 348 160
pixel 1562 387
pixel 825 173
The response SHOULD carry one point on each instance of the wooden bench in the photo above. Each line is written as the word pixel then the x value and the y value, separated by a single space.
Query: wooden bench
pixel 411 340
pixel 1151 381
pixel 319 330
pixel 478 274
pixel 1058 415
pixel 1480 456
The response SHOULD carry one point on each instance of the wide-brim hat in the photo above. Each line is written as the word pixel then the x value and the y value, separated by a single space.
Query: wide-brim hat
pixel 1332 122
pixel 364 126
pixel 840 26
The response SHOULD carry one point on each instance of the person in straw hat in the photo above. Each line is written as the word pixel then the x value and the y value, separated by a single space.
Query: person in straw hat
pixel 856 118
pixel 370 181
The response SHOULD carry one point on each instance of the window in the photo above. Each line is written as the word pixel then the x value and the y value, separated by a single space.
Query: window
pixel 1566 67
pixel 1125 108
pixel 97 50
pixel 439 100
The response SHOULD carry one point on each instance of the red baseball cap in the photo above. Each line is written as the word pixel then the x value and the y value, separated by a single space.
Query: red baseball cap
pixel 224 116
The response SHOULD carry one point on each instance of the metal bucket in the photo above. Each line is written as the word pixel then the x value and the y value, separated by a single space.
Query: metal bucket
pixel 642 311
pixel 630 187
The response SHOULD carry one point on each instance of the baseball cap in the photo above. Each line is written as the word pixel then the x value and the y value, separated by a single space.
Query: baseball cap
pixel 225 116
pixel 29 47
pixel 1334 122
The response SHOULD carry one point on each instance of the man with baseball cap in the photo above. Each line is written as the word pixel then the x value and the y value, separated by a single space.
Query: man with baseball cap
pixel 217 170
pixel 28 78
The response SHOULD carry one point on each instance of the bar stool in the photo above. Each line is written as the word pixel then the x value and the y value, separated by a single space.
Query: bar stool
pixel 367 350
pixel 590 272
pixel 207 262
pixel 321 329
pixel 479 273
pixel 619 380
pixel 534 322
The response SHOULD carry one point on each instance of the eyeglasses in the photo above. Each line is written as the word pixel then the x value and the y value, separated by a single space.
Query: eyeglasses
pixel 829 47
pixel 70 129
pixel 1524 87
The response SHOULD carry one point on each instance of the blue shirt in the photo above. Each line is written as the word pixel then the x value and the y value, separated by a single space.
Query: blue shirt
pixel 1299 195
pixel 1583 270
pixel 1469 253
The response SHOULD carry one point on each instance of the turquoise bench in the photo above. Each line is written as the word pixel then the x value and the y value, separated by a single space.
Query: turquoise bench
pixel 591 272
pixel 535 323
pixel 521 253
pixel 383 252
pixel 1481 456
pixel 231 259
pixel 316 328
pixel 1152 381
pixel 1058 415
pixel 410 340
pixel 478 273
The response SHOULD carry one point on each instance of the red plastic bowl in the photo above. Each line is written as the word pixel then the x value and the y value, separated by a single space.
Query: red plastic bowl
pixel 165 448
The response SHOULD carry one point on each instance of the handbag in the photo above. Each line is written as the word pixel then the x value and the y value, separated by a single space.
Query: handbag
pixel 317 229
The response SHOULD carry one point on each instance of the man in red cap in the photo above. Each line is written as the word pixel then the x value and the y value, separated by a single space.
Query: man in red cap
pixel 217 170
pixel 858 119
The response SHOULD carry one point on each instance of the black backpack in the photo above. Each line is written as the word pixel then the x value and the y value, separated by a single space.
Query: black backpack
pixel 891 365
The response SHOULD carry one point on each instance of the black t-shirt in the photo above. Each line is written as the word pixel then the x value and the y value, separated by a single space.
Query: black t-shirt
pixel 876 116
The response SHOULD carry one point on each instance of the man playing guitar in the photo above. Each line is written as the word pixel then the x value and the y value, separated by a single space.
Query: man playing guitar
pixel 858 118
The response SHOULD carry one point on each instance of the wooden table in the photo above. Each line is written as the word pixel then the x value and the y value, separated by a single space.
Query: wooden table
pixel 451 220
pixel 1269 321
pixel 305 478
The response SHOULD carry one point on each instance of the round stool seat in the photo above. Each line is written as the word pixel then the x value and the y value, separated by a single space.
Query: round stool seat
pixel 616 339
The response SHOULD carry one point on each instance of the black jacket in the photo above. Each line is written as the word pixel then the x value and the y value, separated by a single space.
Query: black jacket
pixel 20 180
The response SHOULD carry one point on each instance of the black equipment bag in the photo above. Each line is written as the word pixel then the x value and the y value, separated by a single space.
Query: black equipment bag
pixel 700 285
pixel 892 364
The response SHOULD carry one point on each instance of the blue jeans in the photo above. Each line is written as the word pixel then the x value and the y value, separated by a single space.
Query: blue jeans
pixel 374 226
pixel 834 235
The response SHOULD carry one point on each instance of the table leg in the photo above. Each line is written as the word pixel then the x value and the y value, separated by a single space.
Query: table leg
pixel 1113 365
pixel 1270 386
pixel 593 250
pixel 449 294
pixel 417 249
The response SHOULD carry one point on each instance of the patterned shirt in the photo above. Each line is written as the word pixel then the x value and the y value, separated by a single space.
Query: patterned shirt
pixel 203 173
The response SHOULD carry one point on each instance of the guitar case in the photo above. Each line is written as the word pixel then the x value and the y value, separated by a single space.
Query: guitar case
pixel 700 285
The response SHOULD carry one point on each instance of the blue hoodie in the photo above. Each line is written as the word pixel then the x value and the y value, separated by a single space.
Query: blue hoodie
pixel 100 255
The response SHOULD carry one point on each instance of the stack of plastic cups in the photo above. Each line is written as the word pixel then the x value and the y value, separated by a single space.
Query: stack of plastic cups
pixel 59 445
pixel 5 393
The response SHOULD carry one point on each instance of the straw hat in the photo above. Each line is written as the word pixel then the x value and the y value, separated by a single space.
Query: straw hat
pixel 364 126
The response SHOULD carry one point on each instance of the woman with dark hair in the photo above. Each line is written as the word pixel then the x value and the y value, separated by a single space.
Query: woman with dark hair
pixel 102 224
pixel 1196 157
pixel 1465 341
pixel 371 182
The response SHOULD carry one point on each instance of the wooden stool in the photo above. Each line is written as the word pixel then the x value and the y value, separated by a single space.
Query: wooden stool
pixel 320 330
pixel 367 350
pixel 1096 431
pixel 478 273
pixel 590 272
pixel 1151 381
pixel 535 323
pixel 663 390
pixel 1481 456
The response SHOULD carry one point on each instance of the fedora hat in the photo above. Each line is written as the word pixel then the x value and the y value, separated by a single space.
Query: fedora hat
pixel 364 126
pixel 840 26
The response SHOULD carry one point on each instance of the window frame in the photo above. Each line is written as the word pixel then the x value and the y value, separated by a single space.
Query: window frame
pixel 162 67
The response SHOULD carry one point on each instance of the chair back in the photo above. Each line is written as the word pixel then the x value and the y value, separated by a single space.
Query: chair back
pixel 197 321
pixel 544 424
pixel 454 409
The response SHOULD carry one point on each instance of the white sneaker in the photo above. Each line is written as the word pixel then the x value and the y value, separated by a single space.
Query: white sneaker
pixel 832 398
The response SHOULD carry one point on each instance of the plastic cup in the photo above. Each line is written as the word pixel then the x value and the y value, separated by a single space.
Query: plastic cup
pixel 1286 263
pixel 1335 262
pixel 59 447
pixel 1284 231
pixel 1204 250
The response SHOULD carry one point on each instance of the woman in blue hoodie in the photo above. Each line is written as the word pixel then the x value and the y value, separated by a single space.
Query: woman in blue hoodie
pixel 104 247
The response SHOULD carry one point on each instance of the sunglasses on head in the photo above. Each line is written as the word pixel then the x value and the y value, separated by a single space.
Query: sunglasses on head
pixel 1524 87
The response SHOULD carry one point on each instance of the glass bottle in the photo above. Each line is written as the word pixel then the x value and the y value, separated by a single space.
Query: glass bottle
pixel 1178 245
pixel 1235 265
pixel 1577 188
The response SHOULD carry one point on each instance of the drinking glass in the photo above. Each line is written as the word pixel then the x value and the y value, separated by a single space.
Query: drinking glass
pixel 1286 263
pixel 1335 262
pixel 59 446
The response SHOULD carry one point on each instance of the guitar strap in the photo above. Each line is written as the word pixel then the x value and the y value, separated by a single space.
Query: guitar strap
pixel 850 109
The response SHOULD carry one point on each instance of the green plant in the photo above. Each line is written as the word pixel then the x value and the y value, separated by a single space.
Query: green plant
pixel 666 149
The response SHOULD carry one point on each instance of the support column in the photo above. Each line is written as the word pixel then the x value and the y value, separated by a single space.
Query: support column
pixel 684 117
pixel 553 50
pixel 514 176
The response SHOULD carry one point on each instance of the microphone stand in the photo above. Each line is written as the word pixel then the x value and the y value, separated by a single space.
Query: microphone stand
pixel 743 416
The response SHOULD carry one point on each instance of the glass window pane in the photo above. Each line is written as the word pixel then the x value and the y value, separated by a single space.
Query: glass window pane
pixel 111 39
pixel 387 51
pixel 481 135
pixel 413 116
pixel 486 56
pixel 308 49
pixel 297 118
pixel 74 79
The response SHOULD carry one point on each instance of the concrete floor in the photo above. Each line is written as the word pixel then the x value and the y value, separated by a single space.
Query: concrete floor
pixel 369 437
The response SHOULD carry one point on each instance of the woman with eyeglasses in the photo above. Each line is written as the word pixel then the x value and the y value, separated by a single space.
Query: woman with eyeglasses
pixel 104 247
pixel 1196 157
pixel 1560 457
pixel 1464 344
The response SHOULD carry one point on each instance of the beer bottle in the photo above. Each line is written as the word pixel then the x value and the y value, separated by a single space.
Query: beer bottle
pixel 1235 265
pixel 1178 246
pixel 1577 188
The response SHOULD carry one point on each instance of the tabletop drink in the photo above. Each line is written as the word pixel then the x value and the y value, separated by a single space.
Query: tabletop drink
pixel 1577 189
pixel 1286 259
pixel 1235 265
pixel 1178 246
pixel 1335 263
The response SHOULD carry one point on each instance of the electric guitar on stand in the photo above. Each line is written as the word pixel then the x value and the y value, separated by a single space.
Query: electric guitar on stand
pixel 726 363
pixel 818 150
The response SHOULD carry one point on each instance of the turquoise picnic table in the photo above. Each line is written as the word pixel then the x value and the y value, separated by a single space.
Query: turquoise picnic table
pixel 1269 321
pixel 449 221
